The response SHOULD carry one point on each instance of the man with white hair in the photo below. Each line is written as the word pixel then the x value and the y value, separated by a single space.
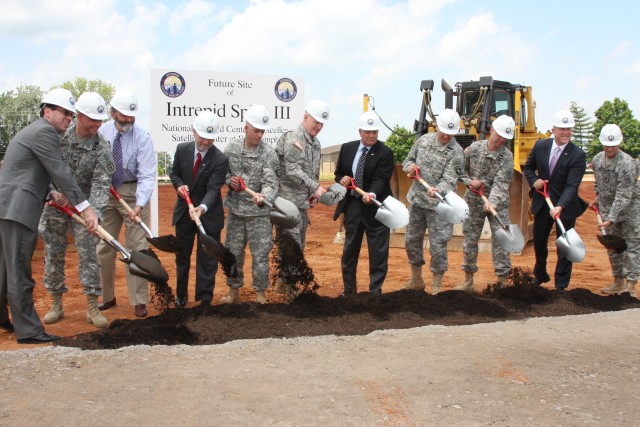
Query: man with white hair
pixel 488 166
pixel 618 198
pixel 562 164
pixel 134 178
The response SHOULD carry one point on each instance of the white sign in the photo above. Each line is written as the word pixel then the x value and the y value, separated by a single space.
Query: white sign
pixel 177 96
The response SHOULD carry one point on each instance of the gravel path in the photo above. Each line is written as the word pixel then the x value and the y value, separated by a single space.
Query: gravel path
pixel 569 371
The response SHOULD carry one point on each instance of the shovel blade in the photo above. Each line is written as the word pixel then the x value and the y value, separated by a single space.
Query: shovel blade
pixel 154 271
pixel 334 194
pixel 510 238
pixel 167 243
pixel 393 213
pixel 284 213
pixel 571 246
pixel 453 208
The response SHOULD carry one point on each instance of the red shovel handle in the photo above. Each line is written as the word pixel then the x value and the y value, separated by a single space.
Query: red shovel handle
pixel 241 184
pixel 545 193
pixel 479 192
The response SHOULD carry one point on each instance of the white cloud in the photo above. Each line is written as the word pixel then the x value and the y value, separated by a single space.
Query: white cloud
pixel 621 50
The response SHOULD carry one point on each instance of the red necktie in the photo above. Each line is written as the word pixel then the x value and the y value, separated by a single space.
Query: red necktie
pixel 196 165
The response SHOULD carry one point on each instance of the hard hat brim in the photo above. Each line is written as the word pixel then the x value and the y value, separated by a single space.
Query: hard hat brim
pixel 607 143
pixel 260 126
pixel 504 134
pixel 452 132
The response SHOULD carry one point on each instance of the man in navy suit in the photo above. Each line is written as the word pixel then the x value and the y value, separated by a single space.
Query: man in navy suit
pixel 199 168
pixel 562 164
pixel 375 173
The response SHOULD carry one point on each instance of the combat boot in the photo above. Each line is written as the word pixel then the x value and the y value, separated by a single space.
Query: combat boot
pixel 631 288
pixel 617 287
pixel 232 296
pixel 260 297
pixel 416 283
pixel 437 281
pixel 467 286
pixel 93 314
pixel 56 313
pixel 282 287
pixel 502 281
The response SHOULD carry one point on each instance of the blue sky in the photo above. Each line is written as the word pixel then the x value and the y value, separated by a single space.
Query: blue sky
pixel 587 52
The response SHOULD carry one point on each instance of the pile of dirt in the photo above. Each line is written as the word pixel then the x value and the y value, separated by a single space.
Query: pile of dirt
pixel 312 315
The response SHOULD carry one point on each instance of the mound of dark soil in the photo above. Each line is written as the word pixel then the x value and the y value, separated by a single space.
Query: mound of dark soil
pixel 312 315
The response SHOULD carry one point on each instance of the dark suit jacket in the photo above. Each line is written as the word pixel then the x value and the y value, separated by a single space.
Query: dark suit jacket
pixel 205 188
pixel 378 169
pixel 33 159
pixel 565 181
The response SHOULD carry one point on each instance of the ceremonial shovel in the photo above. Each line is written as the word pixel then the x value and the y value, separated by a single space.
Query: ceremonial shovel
pixel 452 208
pixel 569 243
pixel 509 236
pixel 392 212
pixel 333 195
pixel 283 213
pixel 141 265
pixel 615 243
pixel 164 243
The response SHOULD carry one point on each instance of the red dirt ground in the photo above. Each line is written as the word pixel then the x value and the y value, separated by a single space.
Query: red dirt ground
pixel 324 258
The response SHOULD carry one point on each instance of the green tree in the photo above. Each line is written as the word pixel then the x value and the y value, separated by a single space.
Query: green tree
pixel 400 142
pixel 165 163
pixel 18 108
pixel 617 112
pixel 583 130
pixel 79 85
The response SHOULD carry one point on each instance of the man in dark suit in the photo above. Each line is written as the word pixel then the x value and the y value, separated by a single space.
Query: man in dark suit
pixel 32 160
pixel 562 164
pixel 199 168
pixel 371 164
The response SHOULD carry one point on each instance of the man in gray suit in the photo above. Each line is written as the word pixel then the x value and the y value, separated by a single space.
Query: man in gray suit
pixel 32 160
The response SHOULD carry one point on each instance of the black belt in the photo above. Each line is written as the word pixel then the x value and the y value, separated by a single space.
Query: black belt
pixel 130 182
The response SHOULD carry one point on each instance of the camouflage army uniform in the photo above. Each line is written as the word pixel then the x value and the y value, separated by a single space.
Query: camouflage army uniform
pixel 92 166
pixel 246 222
pixel 494 169
pixel 440 165
pixel 618 196
pixel 299 155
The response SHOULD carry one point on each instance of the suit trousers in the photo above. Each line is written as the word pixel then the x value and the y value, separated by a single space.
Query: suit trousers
pixel 135 239
pixel 206 266
pixel 17 244
pixel 542 225
pixel 356 224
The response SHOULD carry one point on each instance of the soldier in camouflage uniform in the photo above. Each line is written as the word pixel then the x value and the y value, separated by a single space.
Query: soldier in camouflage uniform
pixel 440 160
pixel 89 156
pixel 488 164
pixel 618 197
pixel 299 154
pixel 248 218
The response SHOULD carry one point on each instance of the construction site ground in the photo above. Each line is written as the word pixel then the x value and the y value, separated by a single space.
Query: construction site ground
pixel 561 369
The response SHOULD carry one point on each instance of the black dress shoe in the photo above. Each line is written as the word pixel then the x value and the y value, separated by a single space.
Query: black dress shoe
pixel 107 304
pixel 205 302
pixel 41 338
pixel 347 294
pixel 7 326
pixel 181 302
pixel 559 290
pixel 141 310
pixel 537 282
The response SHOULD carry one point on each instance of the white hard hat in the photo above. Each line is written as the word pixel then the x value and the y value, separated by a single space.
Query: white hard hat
pixel 369 121
pixel 564 119
pixel 610 135
pixel 92 105
pixel 258 117
pixel 449 122
pixel 60 97
pixel 319 110
pixel 206 124
pixel 504 126
pixel 125 102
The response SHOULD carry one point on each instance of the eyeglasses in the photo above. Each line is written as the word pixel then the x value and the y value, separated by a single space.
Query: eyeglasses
pixel 64 111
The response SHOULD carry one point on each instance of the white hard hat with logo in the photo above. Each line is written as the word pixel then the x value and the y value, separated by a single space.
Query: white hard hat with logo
pixel 125 102
pixel 206 124
pixel 92 105
pixel 258 117
pixel 504 126
pixel 369 121
pixel 448 122
pixel 564 119
pixel 61 98
pixel 319 110
pixel 610 135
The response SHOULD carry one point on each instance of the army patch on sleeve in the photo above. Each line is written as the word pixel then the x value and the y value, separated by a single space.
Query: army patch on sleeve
pixel 111 167
pixel 298 145
pixel 293 155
